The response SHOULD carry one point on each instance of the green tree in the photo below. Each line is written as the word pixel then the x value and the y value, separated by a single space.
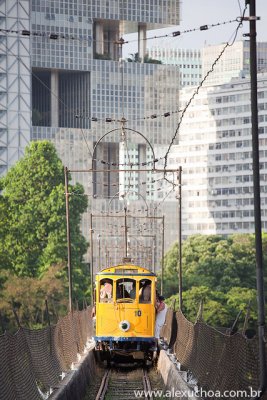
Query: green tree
pixel 27 296
pixel 170 275
pixel 214 267
pixel 215 310
pixel 239 298
pixel 32 206
pixel 136 59
pixel 216 262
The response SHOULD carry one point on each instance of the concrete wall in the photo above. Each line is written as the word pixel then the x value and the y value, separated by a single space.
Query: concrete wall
pixel 174 379
pixel 74 385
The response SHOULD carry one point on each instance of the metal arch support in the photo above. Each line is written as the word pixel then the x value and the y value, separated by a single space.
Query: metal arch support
pixel 123 197
pixel 127 129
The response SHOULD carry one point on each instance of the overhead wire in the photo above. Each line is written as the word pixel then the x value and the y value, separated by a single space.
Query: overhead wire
pixel 121 41
pixel 204 27
pixel 163 200
pixel 55 36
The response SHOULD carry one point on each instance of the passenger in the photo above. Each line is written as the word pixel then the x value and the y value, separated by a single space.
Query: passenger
pixel 145 293
pixel 106 291
pixel 161 309
pixel 93 313
pixel 122 292
pixel 133 292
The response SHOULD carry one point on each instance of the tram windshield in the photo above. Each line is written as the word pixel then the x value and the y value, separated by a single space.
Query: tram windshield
pixel 126 290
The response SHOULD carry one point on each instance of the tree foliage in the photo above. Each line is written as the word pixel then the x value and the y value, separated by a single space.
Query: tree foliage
pixel 136 59
pixel 27 296
pixel 218 270
pixel 33 220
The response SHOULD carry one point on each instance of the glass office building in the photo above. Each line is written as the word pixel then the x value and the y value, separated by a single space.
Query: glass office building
pixel 73 89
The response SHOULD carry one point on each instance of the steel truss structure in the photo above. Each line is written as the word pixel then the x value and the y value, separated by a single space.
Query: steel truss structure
pixel 15 86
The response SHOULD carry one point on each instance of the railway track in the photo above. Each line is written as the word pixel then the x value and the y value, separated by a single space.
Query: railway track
pixel 124 385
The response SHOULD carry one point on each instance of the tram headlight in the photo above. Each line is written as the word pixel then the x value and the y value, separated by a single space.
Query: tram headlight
pixel 124 326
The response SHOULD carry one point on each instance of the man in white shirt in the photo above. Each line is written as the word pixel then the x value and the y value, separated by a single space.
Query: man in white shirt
pixel 161 309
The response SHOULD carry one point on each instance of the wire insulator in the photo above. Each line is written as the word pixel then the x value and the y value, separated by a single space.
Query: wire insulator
pixel 53 36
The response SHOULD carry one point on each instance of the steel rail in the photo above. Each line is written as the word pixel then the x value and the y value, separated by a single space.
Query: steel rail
pixel 103 386
pixel 147 385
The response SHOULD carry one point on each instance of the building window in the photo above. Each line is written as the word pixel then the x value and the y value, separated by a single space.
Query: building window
pixel 41 98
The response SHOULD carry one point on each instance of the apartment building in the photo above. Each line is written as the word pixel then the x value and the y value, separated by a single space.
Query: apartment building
pixel 215 151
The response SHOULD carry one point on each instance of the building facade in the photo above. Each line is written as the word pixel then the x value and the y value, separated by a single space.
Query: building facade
pixel 188 62
pixel 73 89
pixel 15 82
pixel 215 151
pixel 234 63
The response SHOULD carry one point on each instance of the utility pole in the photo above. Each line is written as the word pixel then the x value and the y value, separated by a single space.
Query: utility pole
pixel 256 182
pixel 154 253
pixel 68 236
pixel 92 259
pixel 125 232
pixel 162 255
pixel 180 238
pixel 99 252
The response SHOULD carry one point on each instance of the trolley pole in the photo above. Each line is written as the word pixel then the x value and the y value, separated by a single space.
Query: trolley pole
pixel 256 181
pixel 68 236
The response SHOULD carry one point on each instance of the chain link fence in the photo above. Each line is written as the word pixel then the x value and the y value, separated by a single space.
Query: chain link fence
pixel 32 361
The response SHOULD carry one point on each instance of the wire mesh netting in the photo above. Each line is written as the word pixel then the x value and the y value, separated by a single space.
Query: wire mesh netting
pixel 169 329
pixel 32 360
pixel 218 361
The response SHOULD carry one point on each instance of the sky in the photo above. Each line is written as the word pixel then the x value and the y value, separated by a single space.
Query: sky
pixel 195 13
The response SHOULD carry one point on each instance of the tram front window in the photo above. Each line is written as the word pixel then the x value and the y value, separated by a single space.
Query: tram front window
pixel 126 290
pixel 106 288
pixel 145 291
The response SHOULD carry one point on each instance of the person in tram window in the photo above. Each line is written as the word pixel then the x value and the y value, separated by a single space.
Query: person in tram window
pixel 133 291
pixel 122 293
pixel 106 290
pixel 145 292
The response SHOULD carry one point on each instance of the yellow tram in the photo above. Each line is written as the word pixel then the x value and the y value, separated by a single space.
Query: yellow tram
pixel 125 299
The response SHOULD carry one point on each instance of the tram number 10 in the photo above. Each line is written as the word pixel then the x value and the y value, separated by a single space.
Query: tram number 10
pixel 138 313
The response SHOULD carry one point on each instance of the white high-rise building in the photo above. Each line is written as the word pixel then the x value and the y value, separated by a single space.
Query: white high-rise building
pixel 188 61
pixel 215 151
pixel 234 62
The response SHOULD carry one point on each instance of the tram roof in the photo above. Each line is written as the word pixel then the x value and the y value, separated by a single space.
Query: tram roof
pixel 126 269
